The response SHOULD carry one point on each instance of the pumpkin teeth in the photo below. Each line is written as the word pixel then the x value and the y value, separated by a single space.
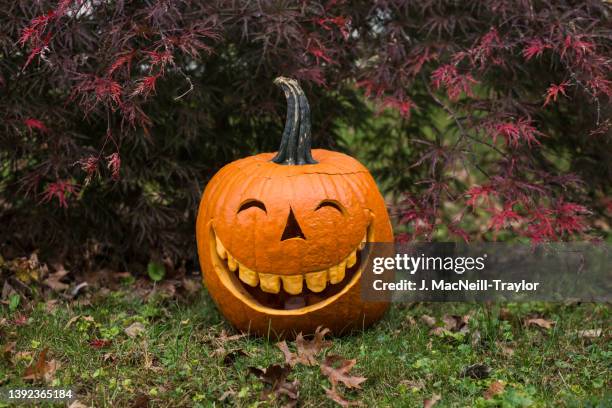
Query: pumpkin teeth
pixel 352 259
pixel 336 273
pixel 293 284
pixel 316 281
pixel 220 249
pixel 231 262
pixel 247 275
pixel 269 283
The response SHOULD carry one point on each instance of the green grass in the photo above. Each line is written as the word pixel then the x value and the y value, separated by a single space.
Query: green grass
pixel 174 361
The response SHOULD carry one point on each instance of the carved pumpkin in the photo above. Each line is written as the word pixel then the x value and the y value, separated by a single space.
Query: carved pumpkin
pixel 280 236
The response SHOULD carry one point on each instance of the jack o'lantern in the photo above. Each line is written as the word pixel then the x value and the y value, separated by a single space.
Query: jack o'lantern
pixel 280 236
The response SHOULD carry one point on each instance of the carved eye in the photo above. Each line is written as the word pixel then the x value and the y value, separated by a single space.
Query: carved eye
pixel 332 204
pixel 252 203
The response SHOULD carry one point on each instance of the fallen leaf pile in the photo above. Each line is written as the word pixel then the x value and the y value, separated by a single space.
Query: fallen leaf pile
pixel 336 368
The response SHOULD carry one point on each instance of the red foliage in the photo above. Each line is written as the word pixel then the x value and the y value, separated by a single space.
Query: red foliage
pixel 32 123
pixel 184 87
pixel 553 92
pixel 455 83
pixel 60 190
pixel 516 131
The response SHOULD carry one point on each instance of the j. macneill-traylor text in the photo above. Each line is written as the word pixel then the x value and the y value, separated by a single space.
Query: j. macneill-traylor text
pixel 460 285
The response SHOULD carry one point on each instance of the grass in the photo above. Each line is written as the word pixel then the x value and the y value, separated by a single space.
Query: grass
pixel 176 361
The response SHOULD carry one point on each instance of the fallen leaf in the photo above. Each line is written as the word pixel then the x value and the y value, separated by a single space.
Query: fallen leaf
pixel 41 369
pixel 589 334
pixel 475 338
pixel 430 402
pixel 456 323
pixel 409 320
pixel 54 279
pixel 505 314
pixel 51 305
pixel 540 322
pixel 224 338
pixel 337 368
pixel 20 320
pixel 226 395
pixel 439 331
pixel 495 388
pixel 8 349
pixel 290 358
pixel 307 350
pixel 7 291
pixel 506 350
pixel 476 371
pixel 134 329
pixel 141 401
pixel 99 343
pixel 333 395
pixel 191 286
pixel 428 320
pixel 275 379
pixel 230 357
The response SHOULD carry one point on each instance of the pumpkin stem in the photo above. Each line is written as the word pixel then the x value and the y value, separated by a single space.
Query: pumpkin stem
pixel 295 143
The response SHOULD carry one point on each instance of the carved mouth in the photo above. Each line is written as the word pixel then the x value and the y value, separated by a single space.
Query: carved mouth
pixel 288 292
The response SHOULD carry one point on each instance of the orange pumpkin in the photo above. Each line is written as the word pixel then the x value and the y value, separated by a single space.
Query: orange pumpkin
pixel 280 236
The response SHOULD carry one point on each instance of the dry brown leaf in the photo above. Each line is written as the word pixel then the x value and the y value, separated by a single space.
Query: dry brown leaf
pixel 51 305
pixel 506 350
pixel 226 395
pixel 439 331
pixel 290 358
pixel 54 279
pixel 191 286
pixel 230 357
pixel 333 395
pixel 337 368
pixel 495 388
pixel 430 402
pixel 505 314
pixel 540 322
pixel 141 401
pixel 41 369
pixel 72 320
pixel 456 323
pixel 476 371
pixel 307 350
pixel 224 338
pixel 9 349
pixel 428 320
pixel 134 329
pixel 275 379
pixel 589 334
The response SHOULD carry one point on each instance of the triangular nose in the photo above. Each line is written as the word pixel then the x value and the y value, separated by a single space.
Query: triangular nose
pixel 292 228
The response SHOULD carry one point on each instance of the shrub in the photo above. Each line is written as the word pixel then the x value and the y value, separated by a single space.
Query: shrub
pixel 490 119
